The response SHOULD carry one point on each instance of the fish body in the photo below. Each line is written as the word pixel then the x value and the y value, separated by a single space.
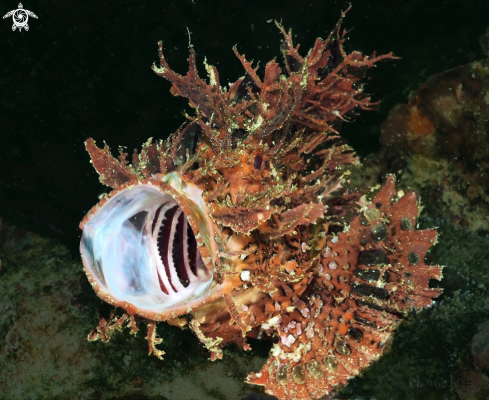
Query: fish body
pixel 241 225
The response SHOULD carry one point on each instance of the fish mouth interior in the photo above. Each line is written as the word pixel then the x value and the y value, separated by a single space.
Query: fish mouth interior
pixel 141 249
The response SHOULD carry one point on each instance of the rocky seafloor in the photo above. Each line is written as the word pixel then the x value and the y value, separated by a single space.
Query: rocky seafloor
pixel 47 308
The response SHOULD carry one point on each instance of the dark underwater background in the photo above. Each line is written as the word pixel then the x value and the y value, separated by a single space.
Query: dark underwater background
pixel 83 70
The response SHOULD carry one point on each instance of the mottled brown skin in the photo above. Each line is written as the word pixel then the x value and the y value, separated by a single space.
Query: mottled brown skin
pixel 272 172
pixel 353 301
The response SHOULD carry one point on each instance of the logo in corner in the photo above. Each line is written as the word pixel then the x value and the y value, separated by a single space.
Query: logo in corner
pixel 20 17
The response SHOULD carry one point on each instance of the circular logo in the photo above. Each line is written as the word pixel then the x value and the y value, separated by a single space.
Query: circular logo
pixel 20 16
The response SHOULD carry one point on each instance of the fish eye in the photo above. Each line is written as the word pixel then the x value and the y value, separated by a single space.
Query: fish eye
pixel 257 164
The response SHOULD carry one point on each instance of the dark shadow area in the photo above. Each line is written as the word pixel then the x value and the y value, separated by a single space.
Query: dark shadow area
pixel 83 70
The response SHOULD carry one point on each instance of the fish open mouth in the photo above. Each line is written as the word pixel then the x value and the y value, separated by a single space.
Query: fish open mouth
pixel 179 261
pixel 139 249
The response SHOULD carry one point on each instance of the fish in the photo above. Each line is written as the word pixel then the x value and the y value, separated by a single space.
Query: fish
pixel 242 224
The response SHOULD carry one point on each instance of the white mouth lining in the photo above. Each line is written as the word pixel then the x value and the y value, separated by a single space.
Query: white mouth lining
pixel 121 250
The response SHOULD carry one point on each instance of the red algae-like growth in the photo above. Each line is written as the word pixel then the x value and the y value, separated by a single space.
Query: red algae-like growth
pixel 240 225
